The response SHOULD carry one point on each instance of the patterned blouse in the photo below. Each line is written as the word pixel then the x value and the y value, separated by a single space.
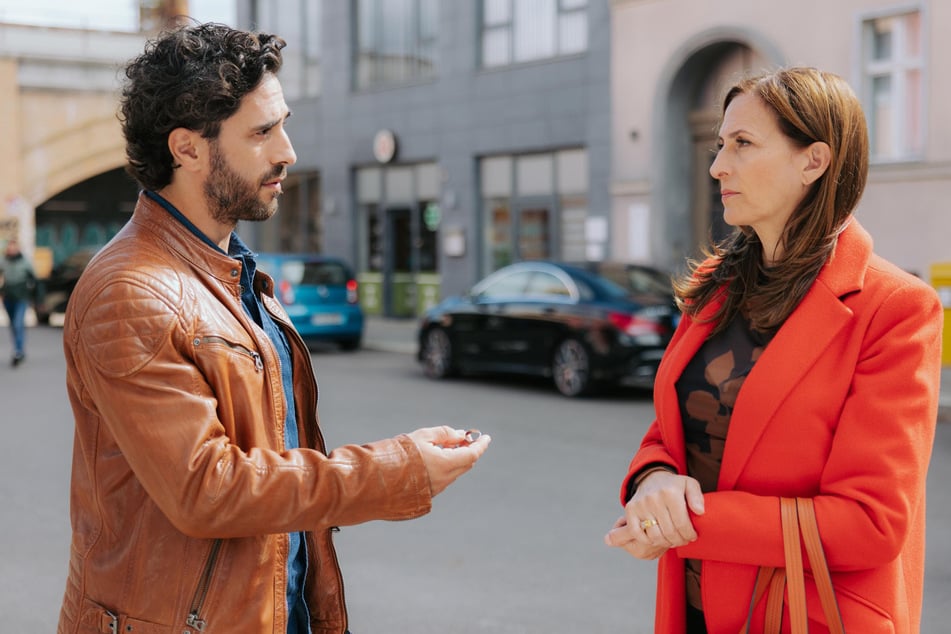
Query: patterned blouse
pixel 707 391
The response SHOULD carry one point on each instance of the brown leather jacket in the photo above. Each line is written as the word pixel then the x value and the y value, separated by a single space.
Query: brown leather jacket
pixel 182 493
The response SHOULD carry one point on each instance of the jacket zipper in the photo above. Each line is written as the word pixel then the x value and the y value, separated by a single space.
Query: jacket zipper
pixel 201 592
pixel 255 356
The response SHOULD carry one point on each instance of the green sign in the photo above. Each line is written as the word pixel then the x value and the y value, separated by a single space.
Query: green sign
pixel 431 216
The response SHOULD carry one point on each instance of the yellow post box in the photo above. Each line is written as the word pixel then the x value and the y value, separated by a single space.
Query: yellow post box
pixel 941 280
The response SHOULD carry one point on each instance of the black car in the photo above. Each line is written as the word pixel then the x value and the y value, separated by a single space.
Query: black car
pixel 549 319
pixel 638 279
pixel 53 292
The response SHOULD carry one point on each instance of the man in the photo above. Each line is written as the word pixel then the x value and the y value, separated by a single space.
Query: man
pixel 17 282
pixel 202 498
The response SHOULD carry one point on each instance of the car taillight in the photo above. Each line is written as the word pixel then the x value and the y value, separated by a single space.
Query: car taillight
pixel 352 296
pixel 636 326
pixel 286 292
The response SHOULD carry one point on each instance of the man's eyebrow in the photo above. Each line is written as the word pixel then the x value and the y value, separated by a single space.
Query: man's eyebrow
pixel 270 124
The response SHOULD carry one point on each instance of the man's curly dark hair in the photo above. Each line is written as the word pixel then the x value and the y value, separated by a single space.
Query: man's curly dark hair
pixel 193 77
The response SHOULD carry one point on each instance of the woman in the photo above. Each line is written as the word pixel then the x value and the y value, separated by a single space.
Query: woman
pixel 805 366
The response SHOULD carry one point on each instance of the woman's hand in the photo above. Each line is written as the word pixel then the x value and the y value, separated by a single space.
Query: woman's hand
pixel 656 518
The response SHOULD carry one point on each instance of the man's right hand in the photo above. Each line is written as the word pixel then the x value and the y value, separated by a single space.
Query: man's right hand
pixel 446 454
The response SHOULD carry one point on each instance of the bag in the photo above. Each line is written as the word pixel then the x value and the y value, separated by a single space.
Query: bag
pixel 799 522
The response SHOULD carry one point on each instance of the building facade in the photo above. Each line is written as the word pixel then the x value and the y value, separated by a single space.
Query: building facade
pixel 672 60
pixel 439 141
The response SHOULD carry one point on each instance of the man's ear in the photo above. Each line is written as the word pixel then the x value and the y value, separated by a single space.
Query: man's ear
pixel 188 148
pixel 818 156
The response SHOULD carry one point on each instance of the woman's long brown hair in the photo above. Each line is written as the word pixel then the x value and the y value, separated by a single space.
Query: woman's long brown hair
pixel 810 105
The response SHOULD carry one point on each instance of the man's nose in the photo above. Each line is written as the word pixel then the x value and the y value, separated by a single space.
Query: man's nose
pixel 285 153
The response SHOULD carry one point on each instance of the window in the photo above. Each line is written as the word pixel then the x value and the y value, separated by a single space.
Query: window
pixel 395 41
pixel 546 286
pixel 893 86
pixel 298 23
pixel 511 285
pixel 535 206
pixel 515 31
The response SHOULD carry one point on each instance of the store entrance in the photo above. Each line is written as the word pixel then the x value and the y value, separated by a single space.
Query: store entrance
pixel 399 292
pixel 410 259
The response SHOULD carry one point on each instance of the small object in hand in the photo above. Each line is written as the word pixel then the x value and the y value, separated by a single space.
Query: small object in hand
pixel 472 435
pixel 645 524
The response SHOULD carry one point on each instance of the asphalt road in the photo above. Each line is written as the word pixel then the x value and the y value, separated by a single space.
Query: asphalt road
pixel 513 547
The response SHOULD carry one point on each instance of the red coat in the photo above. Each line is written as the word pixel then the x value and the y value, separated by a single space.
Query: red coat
pixel 840 407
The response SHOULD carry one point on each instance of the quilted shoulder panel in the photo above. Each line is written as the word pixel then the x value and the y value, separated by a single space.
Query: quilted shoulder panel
pixel 128 319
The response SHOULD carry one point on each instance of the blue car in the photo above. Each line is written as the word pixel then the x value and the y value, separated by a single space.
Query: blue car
pixel 320 295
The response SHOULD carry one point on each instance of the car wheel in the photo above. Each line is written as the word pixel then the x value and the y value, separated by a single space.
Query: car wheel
pixel 437 354
pixel 571 368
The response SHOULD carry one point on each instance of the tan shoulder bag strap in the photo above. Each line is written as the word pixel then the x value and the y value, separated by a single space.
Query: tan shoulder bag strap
pixel 799 527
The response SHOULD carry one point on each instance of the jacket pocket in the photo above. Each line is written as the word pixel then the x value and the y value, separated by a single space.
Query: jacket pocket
pixel 195 617
pixel 214 341
pixel 859 614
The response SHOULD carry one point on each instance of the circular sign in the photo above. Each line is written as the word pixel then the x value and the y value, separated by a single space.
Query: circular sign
pixel 384 146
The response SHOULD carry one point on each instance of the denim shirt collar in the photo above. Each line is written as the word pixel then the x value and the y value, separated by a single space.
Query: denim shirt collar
pixel 236 247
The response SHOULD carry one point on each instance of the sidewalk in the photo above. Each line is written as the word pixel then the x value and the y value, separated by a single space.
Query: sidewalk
pixel 391 335
pixel 399 335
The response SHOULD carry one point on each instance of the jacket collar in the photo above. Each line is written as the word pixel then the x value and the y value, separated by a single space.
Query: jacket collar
pixel 150 215
pixel 789 356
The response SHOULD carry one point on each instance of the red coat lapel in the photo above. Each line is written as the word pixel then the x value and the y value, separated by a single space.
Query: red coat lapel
pixel 795 349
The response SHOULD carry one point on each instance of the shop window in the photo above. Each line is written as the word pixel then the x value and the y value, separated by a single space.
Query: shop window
pixel 535 206
pixel 498 239
pixel 893 86
pixel 394 41
pixel 516 31
pixel 298 226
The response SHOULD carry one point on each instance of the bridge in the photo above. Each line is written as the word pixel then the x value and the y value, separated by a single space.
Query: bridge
pixel 62 187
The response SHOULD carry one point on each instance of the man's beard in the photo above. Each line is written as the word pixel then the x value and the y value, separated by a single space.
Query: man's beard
pixel 231 198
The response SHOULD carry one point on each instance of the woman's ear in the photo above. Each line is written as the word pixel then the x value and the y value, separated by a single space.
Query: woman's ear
pixel 187 148
pixel 818 156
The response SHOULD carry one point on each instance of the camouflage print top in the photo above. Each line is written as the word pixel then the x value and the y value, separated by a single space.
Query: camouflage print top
pixel 707 391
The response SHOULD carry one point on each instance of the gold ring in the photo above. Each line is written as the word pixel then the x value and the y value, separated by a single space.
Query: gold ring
pixel 645 524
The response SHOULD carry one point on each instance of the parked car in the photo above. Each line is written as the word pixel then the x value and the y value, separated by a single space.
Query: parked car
pixel 548 319
pixel 638 279
pixel 52 293
pixel 320 295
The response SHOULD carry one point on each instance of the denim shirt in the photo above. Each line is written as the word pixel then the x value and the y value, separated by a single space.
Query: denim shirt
pixel 298 619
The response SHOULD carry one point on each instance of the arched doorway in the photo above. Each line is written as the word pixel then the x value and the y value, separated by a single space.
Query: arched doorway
pixel 687 112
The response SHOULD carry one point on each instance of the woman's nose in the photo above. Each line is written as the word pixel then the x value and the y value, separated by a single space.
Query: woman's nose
pixel 717 168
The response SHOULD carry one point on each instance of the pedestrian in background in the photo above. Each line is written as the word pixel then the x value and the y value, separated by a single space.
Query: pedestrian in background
pixel 17 285
pixel 202 496
pixel 805 366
